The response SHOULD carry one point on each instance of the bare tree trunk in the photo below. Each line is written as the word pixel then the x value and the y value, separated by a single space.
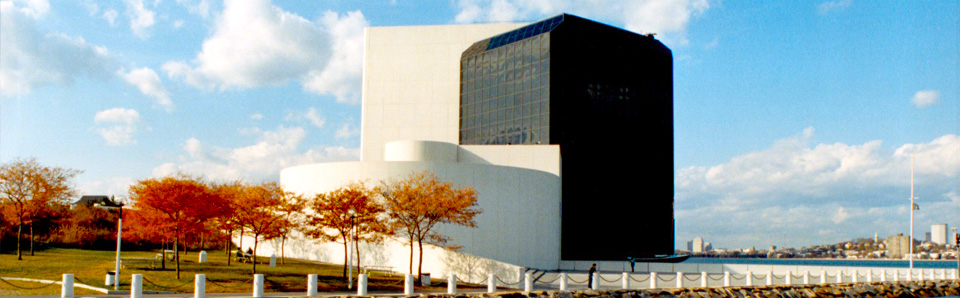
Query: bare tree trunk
pixel 411 255
pixel 356 243
pixel 31 238
pixel 176 242
pixel 345 258
pixel 256 239
pixel 229 244
pixel 283 240
pixel 19 235
pixel 420 261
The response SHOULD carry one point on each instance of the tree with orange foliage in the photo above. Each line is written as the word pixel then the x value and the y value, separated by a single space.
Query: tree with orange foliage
pixel 259 213
pixel 416 205
pixel 231 192
pixel 30 187
pixel 185 203
pixel 331 219
pixel 292 217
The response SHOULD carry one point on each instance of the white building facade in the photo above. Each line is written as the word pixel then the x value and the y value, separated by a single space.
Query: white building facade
pixel 938 234
pixel 412 121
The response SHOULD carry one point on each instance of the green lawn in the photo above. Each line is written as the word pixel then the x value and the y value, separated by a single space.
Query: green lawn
pixel 90 267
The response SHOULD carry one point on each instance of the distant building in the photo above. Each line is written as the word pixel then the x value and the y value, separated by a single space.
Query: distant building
pixel 939 234
pixel 690 245
pixel 93 200
pixel 707 247
pixel 927 237
pixel 697 245
pixel 898 246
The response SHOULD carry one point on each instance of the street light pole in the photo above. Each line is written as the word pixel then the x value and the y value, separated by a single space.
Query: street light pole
pixel 350 251
pixel 956 244
pixel 913 206
pixel 116 284
pixel 119 207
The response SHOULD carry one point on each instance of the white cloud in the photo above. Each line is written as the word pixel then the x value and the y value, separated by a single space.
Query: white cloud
pixel 257 44
pixel 669 19
pixel 33 8
pixel 30 58
pixel 148 82
pixel 114 186
pixel 831 6
pixel 117 125
pixel 141 18
pixel 347 131
pixel 201 7
pixel 312 116
pixel 111 16
pixel 275 150
pixel 925 98
pixel 341 76
pixel 784 194
pixel 256 116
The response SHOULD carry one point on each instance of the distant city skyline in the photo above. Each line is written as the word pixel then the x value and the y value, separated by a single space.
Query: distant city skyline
pixel 794 123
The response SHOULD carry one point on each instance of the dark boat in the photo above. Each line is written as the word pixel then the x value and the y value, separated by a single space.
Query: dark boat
pixel 663 259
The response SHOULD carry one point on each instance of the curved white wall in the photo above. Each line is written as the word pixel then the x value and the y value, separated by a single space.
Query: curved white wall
pixel 520 222
pixel 420 151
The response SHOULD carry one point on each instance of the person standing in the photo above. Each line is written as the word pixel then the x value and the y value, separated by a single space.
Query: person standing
pixel 593 269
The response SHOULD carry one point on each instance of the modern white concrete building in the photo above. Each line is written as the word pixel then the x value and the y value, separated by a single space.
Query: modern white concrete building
pixel 412 121
pixel 938 234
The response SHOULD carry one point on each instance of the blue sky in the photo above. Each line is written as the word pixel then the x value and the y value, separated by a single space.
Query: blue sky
pixel 794 121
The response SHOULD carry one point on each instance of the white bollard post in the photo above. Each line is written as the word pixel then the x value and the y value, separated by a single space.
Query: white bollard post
pixel 273 260
pixel 527 282
pixel 452 284
pixel 595 278
pixel 66 288
pixel 199 286
pixel 883 275
pixel 653 280
pixel 749 278
pixel 408 284
pixel 870 275
pixel 258 285
pixel 922 274
pixel 563 281
pixel 726 278
pixel 703 279
pixel 823 277
pixel 626 281
pixel 896 275
pixel 362 285
pixel 909 274
pixel 769 278
pixel 839 276
pixel 679 280
pixel 788 278
pixel 136 286
pixel 203 256
pixel 491 283
pixel 806 277
pixel 312 286
pixel 854 276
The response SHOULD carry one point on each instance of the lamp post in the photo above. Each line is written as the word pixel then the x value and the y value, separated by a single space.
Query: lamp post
pixel 956 245
pixel 913 206
pixel 352 213
pixel 116 204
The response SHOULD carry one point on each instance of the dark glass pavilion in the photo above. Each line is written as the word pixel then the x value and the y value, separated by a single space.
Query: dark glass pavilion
pixel 605 95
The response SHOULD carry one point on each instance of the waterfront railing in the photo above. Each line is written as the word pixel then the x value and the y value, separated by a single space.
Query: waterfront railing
pixel 567 281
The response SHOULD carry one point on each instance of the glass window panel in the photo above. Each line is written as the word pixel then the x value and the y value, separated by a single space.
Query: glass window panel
pixel 526 110
pixel 535 82
pixel 535 108
pixel 545 135
pixel 545 107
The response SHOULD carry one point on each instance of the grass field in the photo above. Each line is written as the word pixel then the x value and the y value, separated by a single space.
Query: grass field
pixel 90 267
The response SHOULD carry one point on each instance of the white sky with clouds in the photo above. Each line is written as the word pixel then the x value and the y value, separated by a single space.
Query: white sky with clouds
pixel 794 122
